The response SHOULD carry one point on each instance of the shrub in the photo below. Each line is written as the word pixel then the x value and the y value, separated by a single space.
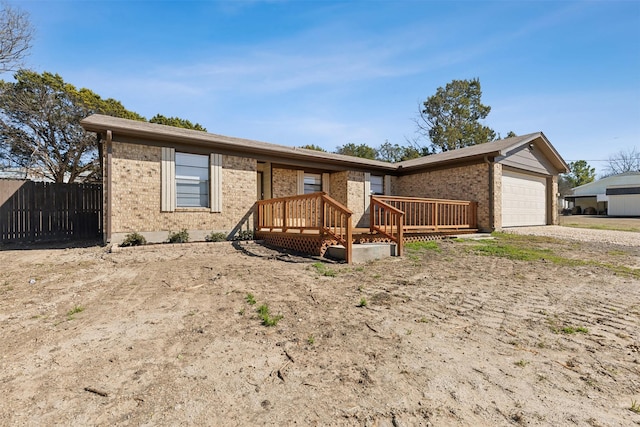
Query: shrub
pixel 216 237
pixel 244 235
pixel 181 236
pixel 133 239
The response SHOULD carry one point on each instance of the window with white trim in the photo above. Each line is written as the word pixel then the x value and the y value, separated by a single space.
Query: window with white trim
pixel 312 183
pixel 377 184
pixel 192 180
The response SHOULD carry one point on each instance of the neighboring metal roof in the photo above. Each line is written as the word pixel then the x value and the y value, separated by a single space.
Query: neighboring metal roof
pixel 600 186
pixel 156 132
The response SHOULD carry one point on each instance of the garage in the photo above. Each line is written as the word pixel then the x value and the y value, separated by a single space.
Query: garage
pixel 524 199
pixel 624 201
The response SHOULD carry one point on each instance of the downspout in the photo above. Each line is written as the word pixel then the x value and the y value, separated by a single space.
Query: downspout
pixel 492 190
pixel 108 180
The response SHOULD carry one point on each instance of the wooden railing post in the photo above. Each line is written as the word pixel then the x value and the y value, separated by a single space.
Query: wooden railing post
pixel 285 215
pixel 436 208
pixel 372 210
pixel 323 223
pixel 400 243
pixel 348 247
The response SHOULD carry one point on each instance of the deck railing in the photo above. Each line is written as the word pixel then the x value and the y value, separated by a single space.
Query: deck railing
pixel 433 214
pixel 314 212
pixel 388 221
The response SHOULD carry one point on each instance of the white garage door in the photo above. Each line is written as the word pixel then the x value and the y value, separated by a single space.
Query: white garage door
pixel 524 199
pixel 624 205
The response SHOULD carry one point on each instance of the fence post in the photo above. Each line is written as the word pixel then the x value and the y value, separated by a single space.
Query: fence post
pixel 32 218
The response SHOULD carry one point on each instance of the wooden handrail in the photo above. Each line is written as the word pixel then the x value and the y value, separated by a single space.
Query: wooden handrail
pixel 308 212
pixel 434 214
pixel 337 223
pixel 388 221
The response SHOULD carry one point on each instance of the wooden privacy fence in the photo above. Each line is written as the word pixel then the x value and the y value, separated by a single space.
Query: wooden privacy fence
pixel 42 211
pixel 316 212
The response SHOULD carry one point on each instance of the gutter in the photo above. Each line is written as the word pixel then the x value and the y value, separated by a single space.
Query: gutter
pixel 109 204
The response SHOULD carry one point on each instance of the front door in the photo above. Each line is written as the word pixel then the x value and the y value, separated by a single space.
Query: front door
pixel 260 186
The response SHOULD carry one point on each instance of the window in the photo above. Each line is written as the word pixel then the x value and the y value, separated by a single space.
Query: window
pixel 377 184
pixel 312 183
pixel 192 180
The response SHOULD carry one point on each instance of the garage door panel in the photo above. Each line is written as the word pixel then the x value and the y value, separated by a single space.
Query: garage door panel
pixel 524 199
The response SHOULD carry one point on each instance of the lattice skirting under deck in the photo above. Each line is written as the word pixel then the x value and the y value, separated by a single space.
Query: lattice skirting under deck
pixel 307 244
pixel 314 244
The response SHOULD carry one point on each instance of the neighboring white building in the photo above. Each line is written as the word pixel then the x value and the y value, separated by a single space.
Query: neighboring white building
pixel 616 195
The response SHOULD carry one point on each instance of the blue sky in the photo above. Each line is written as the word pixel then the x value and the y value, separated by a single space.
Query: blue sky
pixel 330 73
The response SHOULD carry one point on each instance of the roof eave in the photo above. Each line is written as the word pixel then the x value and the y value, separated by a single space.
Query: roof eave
pixel 205 139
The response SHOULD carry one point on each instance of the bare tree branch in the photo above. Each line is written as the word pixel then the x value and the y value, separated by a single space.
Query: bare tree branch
pixel 16 34
pixel 624 161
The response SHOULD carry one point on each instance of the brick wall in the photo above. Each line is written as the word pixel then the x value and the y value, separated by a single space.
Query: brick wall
pixel 355 198
pixel 136 196
pixel 284 182
pixel 338 184
pixel 469 182
pixel 553 183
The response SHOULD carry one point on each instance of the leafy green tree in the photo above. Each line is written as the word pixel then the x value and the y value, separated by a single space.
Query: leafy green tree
pixel 450 119
pixel 564 185
pixel 176 122
pixel 313 147
pixel 16 34
pixel 40 125
pixel 360 150
pixel 580 173
pixel 511 134
pixel 394 153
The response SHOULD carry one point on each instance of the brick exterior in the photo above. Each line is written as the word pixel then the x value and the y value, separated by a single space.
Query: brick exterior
pixel 338 184
pixel 135 190
pixel 469 182
pixel 284 182
pixel 136 197
pixel 348 188
pixel 553 183
pixel 355 199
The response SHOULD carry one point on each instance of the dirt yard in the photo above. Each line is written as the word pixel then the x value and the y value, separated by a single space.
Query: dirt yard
pixel 516 330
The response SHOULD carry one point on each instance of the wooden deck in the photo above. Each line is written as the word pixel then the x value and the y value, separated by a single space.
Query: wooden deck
pixel 312 222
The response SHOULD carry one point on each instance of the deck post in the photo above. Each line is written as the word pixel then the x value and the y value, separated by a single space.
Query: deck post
pixel 400 234
pixel 348 247
pixel 323 216
pixel 285 208
pixel 435 215
pixel 372 210
pixel 258 216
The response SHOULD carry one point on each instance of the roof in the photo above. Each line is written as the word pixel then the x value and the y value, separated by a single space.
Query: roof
pixel 600 186
pixel 157 132
pixel 102 123
pixel 490 149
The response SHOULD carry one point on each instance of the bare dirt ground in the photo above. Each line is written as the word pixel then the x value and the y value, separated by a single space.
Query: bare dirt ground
pixel 164 335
